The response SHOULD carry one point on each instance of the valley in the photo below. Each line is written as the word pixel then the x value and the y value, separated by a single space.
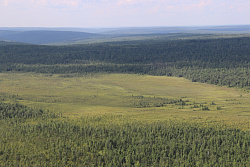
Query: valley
pixel 139 97
pixel 152 96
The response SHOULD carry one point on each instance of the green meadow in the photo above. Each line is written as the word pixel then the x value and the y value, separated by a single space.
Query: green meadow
pixel 136 97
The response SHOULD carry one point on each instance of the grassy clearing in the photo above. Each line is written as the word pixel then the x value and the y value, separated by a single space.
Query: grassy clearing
pixel 139 97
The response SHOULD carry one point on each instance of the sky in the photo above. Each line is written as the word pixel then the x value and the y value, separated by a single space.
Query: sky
pixel 123 13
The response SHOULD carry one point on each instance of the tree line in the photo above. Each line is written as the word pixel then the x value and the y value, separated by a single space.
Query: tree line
pixel 223 52
pixel 222 61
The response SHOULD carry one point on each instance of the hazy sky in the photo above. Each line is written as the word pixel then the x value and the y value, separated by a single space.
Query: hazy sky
pixel 122 13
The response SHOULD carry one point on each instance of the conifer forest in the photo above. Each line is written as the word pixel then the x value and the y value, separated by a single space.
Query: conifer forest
pixel 155 101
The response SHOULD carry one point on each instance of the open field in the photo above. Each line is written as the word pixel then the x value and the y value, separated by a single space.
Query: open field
pixel 139 97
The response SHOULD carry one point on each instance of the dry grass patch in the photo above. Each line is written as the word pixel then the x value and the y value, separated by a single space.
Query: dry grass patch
pixel 140 97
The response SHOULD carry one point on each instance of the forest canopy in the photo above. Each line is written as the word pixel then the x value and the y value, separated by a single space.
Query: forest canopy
pixel 222 61
pixel 35 136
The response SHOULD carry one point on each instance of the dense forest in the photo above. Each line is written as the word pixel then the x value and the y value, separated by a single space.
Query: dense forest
pixel 38 137
pixel 223 61
pixel 228 52
pixel 34 137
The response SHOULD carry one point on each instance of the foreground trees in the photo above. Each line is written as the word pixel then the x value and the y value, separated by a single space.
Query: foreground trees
pixel 47 139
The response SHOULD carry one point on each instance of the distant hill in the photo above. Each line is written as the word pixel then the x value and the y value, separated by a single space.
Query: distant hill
pixel 10 43
pixel 148 30
pixel 233 29
pixel 71 35
pixel 44 36
pixel 166 30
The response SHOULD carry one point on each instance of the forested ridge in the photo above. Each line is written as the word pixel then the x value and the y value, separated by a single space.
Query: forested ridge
pixel 223 61
pixel 229 52
pixel 34 137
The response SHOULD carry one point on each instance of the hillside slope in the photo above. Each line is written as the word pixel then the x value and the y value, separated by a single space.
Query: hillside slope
pixel 44 37
pixel 71 35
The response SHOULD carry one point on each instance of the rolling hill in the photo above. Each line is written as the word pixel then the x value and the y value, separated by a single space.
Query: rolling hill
pixel 44 36
pixel 70 35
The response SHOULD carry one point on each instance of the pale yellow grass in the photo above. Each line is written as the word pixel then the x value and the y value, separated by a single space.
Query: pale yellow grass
pixel 101 94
